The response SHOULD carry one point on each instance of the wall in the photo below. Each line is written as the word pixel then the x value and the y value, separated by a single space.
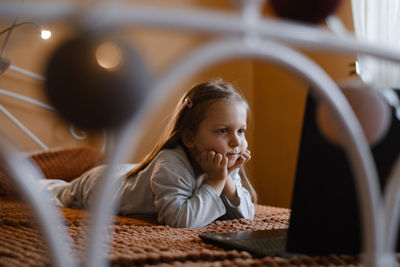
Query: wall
pixel 279 105
pixel 275 96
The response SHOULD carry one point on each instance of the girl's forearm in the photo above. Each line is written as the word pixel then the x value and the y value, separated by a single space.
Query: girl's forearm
pixel 218 185
pixel 229 191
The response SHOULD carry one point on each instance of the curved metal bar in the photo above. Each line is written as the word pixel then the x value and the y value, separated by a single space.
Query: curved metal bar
pixel 336 26
pixel 392 206
pixel 292 33
pixel 25 176
pixel 23 128
pixel 27 73
pixel 26 99
pixel 77 136
pixel 105 196
pixel 35 102
pixel 324 88
pixel 210 21
pixel 51 12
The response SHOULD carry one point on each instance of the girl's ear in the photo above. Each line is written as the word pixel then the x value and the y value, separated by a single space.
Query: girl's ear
pixel 187 138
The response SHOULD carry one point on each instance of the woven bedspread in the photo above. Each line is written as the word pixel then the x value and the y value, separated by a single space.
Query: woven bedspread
pixel 143 242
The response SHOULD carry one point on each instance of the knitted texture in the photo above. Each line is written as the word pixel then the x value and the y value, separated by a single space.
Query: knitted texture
pixel 65 164
pixel 144 242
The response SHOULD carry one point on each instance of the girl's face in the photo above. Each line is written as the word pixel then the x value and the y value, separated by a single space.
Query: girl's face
pixel 222 130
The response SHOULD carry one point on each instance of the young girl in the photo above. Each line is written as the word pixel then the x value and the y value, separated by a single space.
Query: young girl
pixel 195 173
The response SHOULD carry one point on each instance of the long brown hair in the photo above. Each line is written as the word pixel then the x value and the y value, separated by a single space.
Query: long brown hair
pixel 188 115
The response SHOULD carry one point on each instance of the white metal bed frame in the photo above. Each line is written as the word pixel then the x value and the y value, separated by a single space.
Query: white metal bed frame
pixel 246 34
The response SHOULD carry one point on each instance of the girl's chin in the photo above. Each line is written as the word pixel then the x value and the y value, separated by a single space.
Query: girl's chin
pixel 231 162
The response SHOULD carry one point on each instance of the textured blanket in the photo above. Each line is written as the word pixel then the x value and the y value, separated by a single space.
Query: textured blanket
pixel 144 242
pixel 134 241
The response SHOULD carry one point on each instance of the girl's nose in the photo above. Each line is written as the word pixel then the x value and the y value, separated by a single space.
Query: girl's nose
pixel 234 141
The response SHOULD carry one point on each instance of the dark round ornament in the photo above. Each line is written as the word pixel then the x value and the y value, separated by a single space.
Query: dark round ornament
pixel 96 82
pixel 309 11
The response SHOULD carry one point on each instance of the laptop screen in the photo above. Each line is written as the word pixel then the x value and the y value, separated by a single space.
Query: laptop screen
pixel 325 216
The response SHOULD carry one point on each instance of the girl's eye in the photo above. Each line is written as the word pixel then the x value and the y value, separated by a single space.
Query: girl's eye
pixel 242 131
pixel 224 130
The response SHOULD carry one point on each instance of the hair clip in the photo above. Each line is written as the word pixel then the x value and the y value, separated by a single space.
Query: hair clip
pixel 189 102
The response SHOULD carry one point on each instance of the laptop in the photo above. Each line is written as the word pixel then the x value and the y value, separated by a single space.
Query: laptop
pixel 324 215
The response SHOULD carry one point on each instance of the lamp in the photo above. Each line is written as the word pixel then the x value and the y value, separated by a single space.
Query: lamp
pixel 310 11
pixel 369 106
pixel 96 82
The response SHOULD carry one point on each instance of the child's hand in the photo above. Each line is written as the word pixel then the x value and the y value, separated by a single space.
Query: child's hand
pixel 246 156
pixel 216 167
pixel 214 164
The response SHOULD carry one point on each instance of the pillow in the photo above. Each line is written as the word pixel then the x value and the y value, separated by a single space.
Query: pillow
pixel 65 164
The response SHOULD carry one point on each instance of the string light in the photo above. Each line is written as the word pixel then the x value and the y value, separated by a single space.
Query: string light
pixel 45 34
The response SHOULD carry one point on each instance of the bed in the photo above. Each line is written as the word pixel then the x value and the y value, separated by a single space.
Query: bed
pixel 34 233
pixel 134 241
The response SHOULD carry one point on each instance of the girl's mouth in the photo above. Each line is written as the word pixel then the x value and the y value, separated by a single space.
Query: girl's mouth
pixel 232 155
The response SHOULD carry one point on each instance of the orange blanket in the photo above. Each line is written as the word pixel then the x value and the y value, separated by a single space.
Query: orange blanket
pixel 143 241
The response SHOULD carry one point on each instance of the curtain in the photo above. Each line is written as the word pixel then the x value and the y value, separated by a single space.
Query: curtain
pixel 377 21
